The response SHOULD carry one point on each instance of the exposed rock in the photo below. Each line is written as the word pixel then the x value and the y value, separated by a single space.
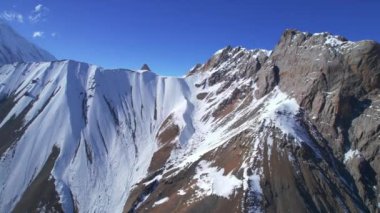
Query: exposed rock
pixel 41 194
pixel 202 95
pixel 145 67
pixel 167 133
pixel 337 83
pixel 266 80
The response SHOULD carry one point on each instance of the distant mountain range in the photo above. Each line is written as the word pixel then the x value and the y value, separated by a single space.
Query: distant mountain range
pixel 295 129
pixel 15 48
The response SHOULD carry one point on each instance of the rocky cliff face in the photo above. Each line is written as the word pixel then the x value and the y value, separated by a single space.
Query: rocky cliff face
pixel 337 82
pixel 296 129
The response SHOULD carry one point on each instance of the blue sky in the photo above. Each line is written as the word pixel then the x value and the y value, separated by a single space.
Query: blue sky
pixel 173 35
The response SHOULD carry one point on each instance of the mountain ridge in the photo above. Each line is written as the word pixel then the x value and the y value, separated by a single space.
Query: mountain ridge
pixel 253 120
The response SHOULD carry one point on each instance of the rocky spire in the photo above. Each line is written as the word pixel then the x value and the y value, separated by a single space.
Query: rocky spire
pixel 145 67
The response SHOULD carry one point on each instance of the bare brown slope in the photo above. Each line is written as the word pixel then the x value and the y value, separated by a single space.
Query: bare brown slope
pixel 294 179
pixel 41 194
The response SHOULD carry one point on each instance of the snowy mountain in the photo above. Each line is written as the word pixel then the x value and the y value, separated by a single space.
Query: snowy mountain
pixel 15 48
pixel 295 129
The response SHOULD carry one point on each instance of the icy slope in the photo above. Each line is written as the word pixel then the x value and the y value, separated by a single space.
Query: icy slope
pixel 105 134
pixel 15 48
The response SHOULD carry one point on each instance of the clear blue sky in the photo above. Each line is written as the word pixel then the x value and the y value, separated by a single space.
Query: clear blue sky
pixel 173 35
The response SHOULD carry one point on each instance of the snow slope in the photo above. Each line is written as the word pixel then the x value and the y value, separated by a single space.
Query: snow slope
pixel 105 134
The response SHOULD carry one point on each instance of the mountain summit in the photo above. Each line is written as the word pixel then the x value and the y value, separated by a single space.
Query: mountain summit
pixel 296 129
pixel 15 48
pixel 145 67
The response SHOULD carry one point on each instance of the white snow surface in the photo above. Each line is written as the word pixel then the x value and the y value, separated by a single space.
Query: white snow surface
pixel 105 133
pixel 280 110
pixel 159 202
pixel 212 181
pixel 181 192
pixel 351 154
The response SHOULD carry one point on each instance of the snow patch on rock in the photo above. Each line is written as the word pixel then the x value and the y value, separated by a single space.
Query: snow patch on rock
pixel 280 110
pixel 211 181
pixel 181 192
pixel 159 202
pixel 351 154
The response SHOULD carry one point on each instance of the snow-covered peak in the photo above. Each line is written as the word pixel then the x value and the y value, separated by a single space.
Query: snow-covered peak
pixel 15 48
pixel 331 40
pixel 229 56
pixel 229 50
pixel 323 40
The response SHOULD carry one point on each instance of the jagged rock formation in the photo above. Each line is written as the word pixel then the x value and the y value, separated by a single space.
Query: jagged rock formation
pixel 295 129
pixel 338 84
pixel 145 67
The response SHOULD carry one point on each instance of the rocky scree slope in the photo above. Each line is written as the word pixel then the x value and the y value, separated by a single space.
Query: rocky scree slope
pixel 294 129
